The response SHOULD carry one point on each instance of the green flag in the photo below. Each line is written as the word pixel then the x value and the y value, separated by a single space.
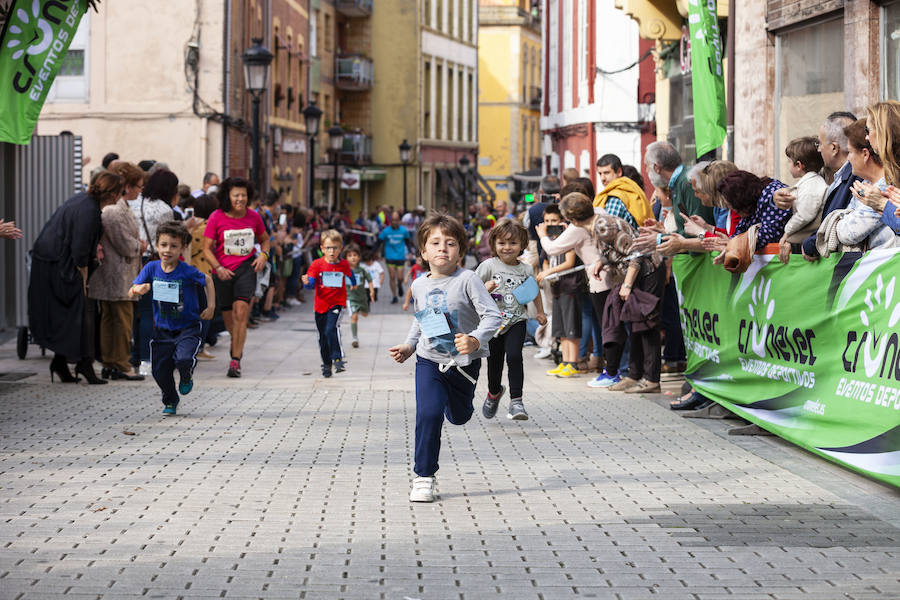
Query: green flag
pixel 33 44
pixel 707 76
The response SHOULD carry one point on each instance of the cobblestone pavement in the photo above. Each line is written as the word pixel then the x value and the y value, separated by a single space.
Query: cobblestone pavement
pixel 285 485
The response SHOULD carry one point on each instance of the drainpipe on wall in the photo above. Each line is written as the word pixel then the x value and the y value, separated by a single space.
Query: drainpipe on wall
pixel 226 81
pixel 729 129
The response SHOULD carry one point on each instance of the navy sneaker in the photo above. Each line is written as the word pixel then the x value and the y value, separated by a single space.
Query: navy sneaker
pixel 326 371
pixel 340 366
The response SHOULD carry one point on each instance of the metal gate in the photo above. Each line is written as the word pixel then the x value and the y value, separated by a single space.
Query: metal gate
pixel 34 181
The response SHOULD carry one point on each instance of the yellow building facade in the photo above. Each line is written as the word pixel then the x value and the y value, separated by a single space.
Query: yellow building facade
pixel 509 91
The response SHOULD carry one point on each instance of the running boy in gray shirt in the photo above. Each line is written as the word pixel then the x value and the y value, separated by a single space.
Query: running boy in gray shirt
pixel 449 302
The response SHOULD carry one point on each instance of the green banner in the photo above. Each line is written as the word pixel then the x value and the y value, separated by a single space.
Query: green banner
pixel 807 351
pixel 707 75
pixel 32 47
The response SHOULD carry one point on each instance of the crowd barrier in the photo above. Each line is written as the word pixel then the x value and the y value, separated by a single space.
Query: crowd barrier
pixel 807 351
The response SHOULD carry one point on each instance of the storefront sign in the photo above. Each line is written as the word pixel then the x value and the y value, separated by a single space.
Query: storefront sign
pixel 810 352
pixel 33 45
pixel 293 146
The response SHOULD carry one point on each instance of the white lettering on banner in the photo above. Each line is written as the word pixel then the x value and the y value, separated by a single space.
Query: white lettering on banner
pixel 870 393
pixel 814 406
pixel 239 242
pixel 703 352
pixel 768 370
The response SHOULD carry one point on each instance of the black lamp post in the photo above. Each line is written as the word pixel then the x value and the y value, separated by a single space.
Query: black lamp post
pixel 464 165
pixel 256 73
pixel 311 115
pixel 336 141
pixel 404 158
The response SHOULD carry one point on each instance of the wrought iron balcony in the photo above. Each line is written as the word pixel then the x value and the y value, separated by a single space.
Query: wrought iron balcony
pixel 353 72
pixel 357 149
pixel 354 8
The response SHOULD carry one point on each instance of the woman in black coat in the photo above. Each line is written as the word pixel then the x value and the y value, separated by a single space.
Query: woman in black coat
pixel 65 253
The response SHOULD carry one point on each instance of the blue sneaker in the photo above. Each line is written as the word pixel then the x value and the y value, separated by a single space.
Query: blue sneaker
pixel 604 380
pixel 185 387
pixel 169 409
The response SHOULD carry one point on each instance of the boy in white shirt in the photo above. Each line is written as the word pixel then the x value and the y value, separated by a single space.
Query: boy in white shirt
pixel 809 194
pixel 376 271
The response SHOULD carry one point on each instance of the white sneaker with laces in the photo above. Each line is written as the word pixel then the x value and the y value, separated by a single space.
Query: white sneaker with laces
pixel 422 490
pixel 542 353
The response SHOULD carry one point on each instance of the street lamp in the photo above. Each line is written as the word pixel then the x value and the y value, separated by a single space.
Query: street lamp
pixel 256 73
pixel 404 158
pixel 464 169
pixel 336 141
pixel 312 114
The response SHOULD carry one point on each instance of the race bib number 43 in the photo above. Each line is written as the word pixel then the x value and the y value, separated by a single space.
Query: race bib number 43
pixel 239 242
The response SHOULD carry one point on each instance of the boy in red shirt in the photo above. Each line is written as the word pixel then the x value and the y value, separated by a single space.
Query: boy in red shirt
pixel 329 276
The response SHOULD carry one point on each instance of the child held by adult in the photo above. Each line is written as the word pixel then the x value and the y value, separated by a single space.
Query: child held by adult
pixel 455 319
pixel 512 285
pixel 176 312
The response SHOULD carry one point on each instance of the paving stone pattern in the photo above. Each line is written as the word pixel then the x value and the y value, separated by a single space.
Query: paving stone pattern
pixel 285 485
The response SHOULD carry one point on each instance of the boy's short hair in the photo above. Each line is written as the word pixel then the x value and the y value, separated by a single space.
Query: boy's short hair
pixel 352 247
pixel 449 226
pixel 805 150
pixel 176 229
pixel 552 209
pixel 507 228
pixel 331 234
pixel 368 256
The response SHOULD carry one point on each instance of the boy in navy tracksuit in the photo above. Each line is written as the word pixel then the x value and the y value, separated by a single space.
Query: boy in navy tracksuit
pixel 176 287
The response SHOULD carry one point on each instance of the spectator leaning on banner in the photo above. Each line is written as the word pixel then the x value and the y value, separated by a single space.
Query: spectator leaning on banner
pixel 621 197
pixel 834 149
pixel 884 136
pixel 664 167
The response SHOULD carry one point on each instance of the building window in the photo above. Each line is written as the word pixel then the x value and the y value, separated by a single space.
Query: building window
pixel 426 105
pixel 314 34
pixel 71 84
pixel 809 82
pixel 890 52
pixel 327 33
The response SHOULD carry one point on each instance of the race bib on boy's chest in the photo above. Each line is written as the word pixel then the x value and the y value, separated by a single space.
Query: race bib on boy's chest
pixel 332 279
pixel 239 242
pixel 526 291
pixel 166 291
pixel 433 322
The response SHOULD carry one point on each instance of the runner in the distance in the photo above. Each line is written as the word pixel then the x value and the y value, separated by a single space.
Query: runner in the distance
pixel 394 238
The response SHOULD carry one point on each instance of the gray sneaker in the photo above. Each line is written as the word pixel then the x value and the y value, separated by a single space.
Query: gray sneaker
pixel 517 410
pixel 489 408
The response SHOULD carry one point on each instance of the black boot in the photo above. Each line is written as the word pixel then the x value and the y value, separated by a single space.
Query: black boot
pixel 85 368
pixel 59 368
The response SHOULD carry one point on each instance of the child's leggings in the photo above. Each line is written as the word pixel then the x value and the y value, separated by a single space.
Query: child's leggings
pixel 330 335
pixel 438 395
pixel 509 343
pixel 170 350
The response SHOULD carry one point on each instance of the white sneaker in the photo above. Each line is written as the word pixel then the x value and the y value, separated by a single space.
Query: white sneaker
pixel 543 353
pixel 422 490
pixel 291 302
pixel 146 368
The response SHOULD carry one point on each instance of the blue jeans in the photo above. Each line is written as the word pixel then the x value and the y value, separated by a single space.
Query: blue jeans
pixel 590 329
pixel 438 395
pixel 170 350
pixel 330 347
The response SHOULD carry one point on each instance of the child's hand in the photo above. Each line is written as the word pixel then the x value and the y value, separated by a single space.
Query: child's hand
pixel 466 344
pixel 139 290
pixel 540 277
pixel 491 285
pixel 541 318
pixel 305 279
pixel 784 250
pixel 208 313
pixel 401 353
